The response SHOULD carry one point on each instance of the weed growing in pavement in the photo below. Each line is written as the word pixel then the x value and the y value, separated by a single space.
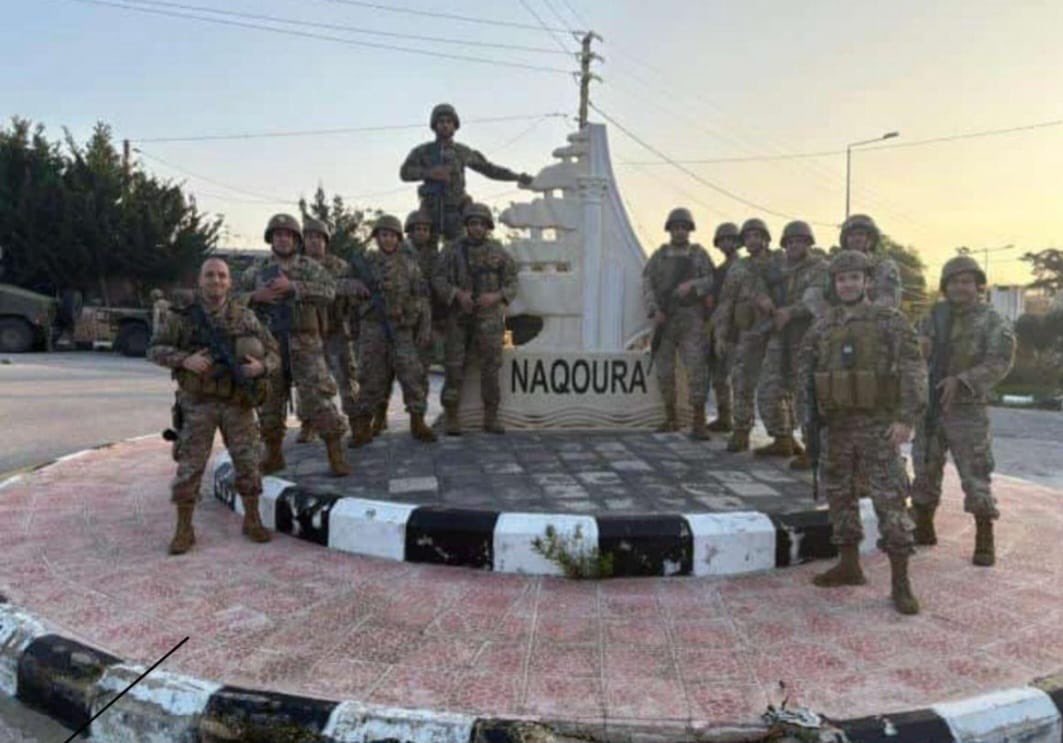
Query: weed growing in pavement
pixel 573 555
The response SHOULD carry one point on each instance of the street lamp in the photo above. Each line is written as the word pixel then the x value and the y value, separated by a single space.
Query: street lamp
pixel 849 162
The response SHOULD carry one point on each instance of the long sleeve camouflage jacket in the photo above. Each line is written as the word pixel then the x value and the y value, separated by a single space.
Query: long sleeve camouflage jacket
pixel 456 157
pixel 477 268
pixel 658 281
pixel 745 281
pixel 981 349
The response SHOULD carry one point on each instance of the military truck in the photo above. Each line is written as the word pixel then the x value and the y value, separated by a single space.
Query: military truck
pixel 27 319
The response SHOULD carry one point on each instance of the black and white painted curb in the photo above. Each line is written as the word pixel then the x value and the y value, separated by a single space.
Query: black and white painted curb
pixel 701 544
pixel 71 682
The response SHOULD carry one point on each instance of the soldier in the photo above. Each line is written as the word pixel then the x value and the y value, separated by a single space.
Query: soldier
pixel 728 242
pixel 291 294
pixel 869 378
pixel 475 278
pixel 738 316
pixel 420 245
pixel 675 284
pixel 441 166
pixel 794 302
pixel 220 355
pixel 339 355
pixel 859 232
pixel 395 322
pixel 971 348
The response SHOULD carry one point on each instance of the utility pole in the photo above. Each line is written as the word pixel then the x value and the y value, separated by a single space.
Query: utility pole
pixel 125 162
pixel 585 58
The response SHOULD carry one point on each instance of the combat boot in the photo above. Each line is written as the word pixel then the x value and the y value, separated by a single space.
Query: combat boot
pixel 420 429
pixel 739 441
pixel 923 516
pixel 491 424
pixel 782 446
pixel 306 434
pixel 723 422
pixel 380 419
pixel 274 459
pixel 985 554
pixel 336 461
pixel 698 430
pixel 253 528
pixel 185 536
pixel 801 462
pixel 361 431
pixel 901 591
pixel 671 421
pixel 846 572
pixel 451 423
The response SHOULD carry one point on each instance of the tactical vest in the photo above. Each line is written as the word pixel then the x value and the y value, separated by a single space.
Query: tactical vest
pixel 217 383
pixel 966 346
pixel 674 270
pixel 745 311
pixel 400 293
pixel 855 371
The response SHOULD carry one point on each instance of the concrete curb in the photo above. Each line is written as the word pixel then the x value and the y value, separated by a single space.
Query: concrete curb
pixel 699 544
pixel 71 682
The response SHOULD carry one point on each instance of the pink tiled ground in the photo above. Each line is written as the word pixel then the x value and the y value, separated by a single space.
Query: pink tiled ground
pixel 84 547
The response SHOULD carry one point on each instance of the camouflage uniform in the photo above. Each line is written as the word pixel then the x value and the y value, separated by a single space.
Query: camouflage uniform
pixel 885 288
pixel 209 403
pixel 720 366
pixel 684 329
pixel 445 202
pixel 480 268
pixel 982 348
pixel 315 290
pixel 426 256
pixel 800 291
pixel 339 351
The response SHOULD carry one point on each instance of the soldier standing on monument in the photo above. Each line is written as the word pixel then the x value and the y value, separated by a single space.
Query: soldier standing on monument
pixel 970 349
pixel 675 283
pixel 794 301
pixel 421 246
pixel 727 242
pixel 864 363
pixel 291 294
pixel 395 322
pixel 739 316
pixel 475 279
pixel 220 355
pixel 440 165
pixel 339 355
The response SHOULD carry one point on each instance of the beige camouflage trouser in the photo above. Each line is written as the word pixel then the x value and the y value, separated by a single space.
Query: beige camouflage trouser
pixel 314 386
pixel 339 355
pixel 749 356
pixel 380 360
pixel 776 387
pixel 483 337
pixel 854 446
pixel 964 431
pixel 720 369
pixel 239 431
pixel 684 334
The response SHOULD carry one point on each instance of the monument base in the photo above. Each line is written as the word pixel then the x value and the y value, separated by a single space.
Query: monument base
pixel 572 389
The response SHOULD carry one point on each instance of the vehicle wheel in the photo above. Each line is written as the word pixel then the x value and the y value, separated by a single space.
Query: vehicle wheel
pixel 132 339
pixel 16 336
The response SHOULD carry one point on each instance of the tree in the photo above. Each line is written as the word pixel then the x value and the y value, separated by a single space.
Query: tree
pixel 73 217
pixel 1047 268
pixel 350 225
pixel 913 273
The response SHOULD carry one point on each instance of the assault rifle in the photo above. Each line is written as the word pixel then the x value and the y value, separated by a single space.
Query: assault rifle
pixel 813 428
pixel 278 319
pixel 222 351
pixel 941 320
pixel 434 191
pixel 667 301
pixel 378 303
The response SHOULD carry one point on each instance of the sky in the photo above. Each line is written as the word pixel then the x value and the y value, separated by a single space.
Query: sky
pixel 693 79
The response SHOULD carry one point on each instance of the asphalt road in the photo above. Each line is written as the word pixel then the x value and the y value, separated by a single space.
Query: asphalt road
pixel 55 404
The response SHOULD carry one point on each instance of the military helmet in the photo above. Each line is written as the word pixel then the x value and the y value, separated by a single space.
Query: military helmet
pixel 797 228
pixel 861 222
pixel 310 224
pixel 417 217
pixel 753 224
pixel 387 222
pixel 156 295
pixel 679 214
pixel 961 264
pixel 283 222
pixel 726 229
pixel 249 345
pixel 481 211
pixel 443 109
pixel 849 260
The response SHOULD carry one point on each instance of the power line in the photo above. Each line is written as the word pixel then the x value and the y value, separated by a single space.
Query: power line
pixel 324 37
pixel 448 16
pixel 345 130
pixel 343 27
pixel 695 176
pixel 265 197
pixel 543 25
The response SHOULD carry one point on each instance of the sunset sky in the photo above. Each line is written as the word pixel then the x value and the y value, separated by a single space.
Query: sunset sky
pixel 696 80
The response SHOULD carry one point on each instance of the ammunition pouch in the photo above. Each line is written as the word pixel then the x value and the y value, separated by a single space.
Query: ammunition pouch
pixel 306 319
pixel 745 316
pixel 222 387
pixel 854 390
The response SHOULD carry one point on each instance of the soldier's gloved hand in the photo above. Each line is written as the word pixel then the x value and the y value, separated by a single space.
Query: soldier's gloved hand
pixel 465 301
pixel 525 179
pixel 948 387
pixel 252 367
pixel 488 299
pixel 659 318
pixel 439 173
pixel 899 433
pixel 197 363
